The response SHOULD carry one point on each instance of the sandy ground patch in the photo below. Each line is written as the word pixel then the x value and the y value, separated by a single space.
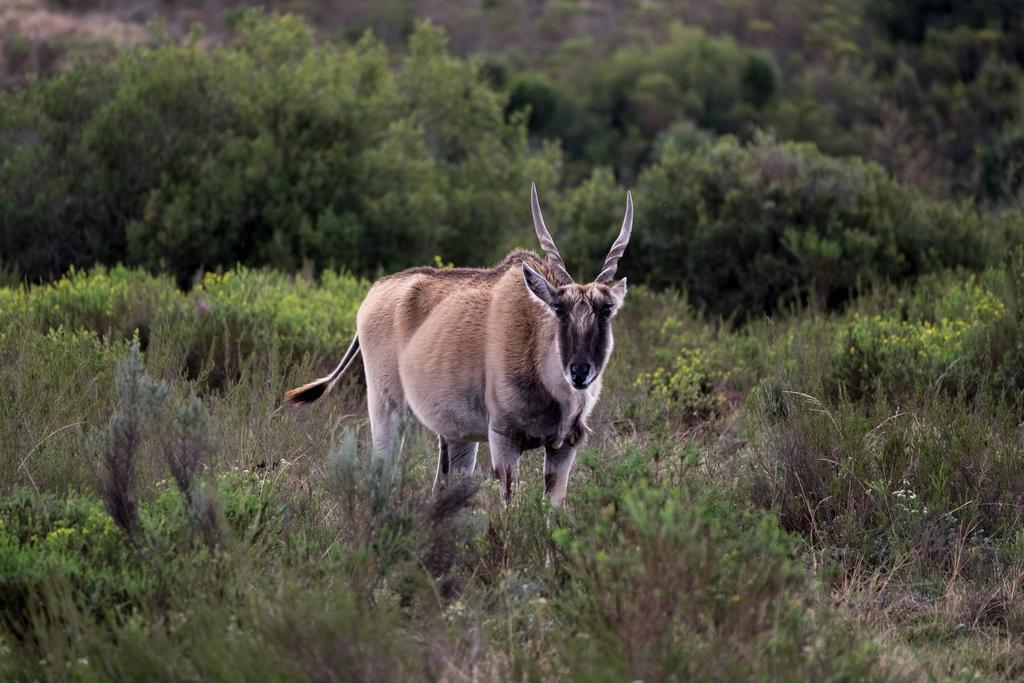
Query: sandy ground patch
pixel 36 20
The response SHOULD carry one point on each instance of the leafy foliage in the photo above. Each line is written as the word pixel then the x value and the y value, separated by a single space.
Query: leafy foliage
pixel 613 116
pixel 747 228
pixel 277 151
pixel 281 150
pixel 945 344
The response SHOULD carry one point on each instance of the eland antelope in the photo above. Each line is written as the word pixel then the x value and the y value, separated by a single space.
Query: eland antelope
pixel 511 355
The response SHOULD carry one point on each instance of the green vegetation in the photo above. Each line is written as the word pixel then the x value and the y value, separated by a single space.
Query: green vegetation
pixel 276 152
pixel 806 463
pixel 930 90
pixel 745 229
pixel 280 150
pixel 750 500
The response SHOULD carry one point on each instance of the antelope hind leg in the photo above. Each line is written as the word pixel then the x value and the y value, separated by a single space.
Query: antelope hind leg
pixel 386 415
pixel 454 458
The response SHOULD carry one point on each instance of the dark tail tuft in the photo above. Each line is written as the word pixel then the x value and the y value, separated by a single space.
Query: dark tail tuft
pixel 307 393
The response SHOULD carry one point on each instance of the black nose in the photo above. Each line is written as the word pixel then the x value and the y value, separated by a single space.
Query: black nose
pixel 580 373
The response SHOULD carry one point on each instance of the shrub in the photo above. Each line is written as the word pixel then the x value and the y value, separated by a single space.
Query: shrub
pixel 1002 171
pixel 50 215
pixel 945 345
pixel 887 436
pixel 112 302
pixel 927 490
pixel 696 365
pixel 297 635
pixel 746 229
pixel 276 151
pixel 62 341
pixel 619 109
pixel 686 385
pixel 48 539
pixel 253 306
pixel 227 317
pixel 16 52
pixel 592 216
pixel 538 95
pixel 52 542
pixel 57 384
pixel 140 400
pixel 714 594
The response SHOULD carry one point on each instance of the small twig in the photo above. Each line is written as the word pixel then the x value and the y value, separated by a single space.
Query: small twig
pixel 888 419
pixel 820 409
pixel 24 461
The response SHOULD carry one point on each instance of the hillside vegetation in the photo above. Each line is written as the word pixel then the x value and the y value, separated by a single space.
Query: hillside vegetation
pixel 277 148
pixel 806 463
pixel 928 88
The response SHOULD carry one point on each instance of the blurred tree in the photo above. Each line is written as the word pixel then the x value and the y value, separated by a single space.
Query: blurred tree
pixel 275 150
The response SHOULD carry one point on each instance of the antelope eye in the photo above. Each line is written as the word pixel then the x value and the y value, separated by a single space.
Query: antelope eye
pixel 605 311
pixel 558 308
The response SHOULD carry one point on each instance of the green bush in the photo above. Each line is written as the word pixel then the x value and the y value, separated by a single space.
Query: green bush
pixel 17 51
pixel 57 384
pixel 706 585
pixel 69 542
pixel 45 540
pixel 911 21
pixel 921 87
pixel 686 385
pixel 696 367
pixel 1002 165
pixel 109 302
pixel 61 342
pixel 887 435
pixel 298 635
pixel 943 346
pixel 240 309
pixel 251 308
pixel 747 228
pixel 612 115
pixel 275 151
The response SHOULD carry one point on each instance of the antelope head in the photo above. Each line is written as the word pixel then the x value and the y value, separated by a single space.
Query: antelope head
pixel 583 312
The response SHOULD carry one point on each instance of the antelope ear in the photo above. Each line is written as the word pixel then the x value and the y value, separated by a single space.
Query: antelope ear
pixel 618 291
pixel 538 286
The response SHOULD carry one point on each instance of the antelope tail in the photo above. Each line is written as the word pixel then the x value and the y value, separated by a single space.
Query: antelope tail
pixel 308 393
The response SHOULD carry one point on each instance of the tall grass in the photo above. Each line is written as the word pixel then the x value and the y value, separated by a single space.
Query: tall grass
pixel 742 512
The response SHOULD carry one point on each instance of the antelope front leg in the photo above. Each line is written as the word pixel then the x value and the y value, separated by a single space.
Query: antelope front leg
pixel 557 464
pixel 504 462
